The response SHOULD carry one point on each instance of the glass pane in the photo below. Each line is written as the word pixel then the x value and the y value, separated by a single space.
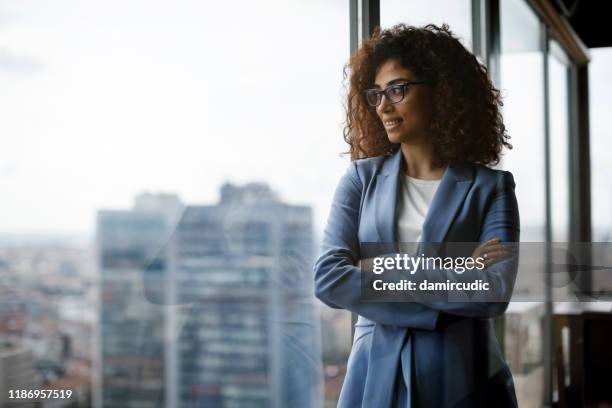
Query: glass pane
pixel 456 13
pixel 600 106
pixel 523 90
pixel 161 204
pixel 600 103
pixel 558 105
pixel 522 87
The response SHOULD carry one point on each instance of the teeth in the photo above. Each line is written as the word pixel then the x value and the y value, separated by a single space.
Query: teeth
pixel 392 122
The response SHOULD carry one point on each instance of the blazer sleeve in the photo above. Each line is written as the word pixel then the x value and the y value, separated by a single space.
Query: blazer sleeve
pixel 338 280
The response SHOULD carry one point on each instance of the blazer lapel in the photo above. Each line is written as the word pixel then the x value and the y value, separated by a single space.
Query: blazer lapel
pixel 386 198
pixel 451 193
pixel 448 198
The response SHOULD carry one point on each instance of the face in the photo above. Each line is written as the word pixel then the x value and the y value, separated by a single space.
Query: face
pixel 408 120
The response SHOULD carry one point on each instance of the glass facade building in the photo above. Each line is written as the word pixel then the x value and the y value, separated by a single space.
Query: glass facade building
pixel 130 345
pixel 213 309
pixel 240 270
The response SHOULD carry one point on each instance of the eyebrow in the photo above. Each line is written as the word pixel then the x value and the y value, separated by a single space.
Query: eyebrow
pixel 393 81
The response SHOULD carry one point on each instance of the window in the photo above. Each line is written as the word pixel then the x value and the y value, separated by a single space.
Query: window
pixel 456 13
pixel 600 101
pixel 104 100
pixel 558 105
pixel 522 85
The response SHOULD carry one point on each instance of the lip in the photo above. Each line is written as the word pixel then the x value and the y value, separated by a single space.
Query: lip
pixel 394 126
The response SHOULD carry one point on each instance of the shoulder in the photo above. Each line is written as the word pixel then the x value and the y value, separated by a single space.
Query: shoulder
pixel 494 177
pixel 366 169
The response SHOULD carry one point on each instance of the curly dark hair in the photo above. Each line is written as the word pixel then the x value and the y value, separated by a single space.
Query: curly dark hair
pixel 466 123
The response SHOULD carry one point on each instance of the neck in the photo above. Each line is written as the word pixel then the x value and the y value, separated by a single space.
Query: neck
pixel 418 161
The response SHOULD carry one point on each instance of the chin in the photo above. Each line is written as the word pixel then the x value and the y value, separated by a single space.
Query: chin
pixel 394 138
pixel 408 137
pixel 397 137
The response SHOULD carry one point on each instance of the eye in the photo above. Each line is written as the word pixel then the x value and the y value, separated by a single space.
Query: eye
pixel 396 90
pixel 372 96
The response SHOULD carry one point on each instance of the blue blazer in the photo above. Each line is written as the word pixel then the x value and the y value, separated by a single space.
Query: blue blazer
pixel 448 352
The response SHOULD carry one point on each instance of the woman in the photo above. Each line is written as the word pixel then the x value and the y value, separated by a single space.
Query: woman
pixel 423 124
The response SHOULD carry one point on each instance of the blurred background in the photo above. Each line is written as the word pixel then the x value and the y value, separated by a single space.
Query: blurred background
pixel 161 210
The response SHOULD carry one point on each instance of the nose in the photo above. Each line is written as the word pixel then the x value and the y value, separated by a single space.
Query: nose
pixel 384 105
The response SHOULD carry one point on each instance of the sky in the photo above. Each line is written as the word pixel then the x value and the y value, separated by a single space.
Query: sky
pixel 102 100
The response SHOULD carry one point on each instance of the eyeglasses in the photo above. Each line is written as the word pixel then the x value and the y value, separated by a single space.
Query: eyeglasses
pixel 395 93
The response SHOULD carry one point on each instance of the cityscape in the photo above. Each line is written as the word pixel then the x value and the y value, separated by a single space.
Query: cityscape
pixel 174 305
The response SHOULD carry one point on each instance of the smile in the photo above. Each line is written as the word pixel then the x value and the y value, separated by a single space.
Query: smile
pixel 390 124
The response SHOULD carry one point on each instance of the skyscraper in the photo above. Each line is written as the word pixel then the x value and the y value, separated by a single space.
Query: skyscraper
pixel 250 336
pixel 223 314
pixel 130 348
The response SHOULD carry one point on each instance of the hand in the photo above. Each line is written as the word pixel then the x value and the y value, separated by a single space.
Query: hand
pixel 492 251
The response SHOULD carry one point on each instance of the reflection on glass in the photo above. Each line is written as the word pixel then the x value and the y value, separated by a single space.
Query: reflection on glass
pixel 456 13
pixel 521 66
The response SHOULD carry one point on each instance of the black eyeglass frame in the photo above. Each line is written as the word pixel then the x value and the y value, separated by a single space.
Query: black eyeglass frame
pixel 404 86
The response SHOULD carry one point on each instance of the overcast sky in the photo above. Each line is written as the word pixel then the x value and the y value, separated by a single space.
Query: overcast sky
pixel 102 100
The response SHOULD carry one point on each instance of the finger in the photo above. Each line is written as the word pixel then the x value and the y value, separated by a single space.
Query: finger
pixel 492 240
pixel 497 254
pixel 487 244
pixel 489 261
pixel 498 251
pixel 494 245
pixel 497 248
pixel 494 248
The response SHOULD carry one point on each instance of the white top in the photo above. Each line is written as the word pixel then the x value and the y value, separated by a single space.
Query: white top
pixel 414 199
